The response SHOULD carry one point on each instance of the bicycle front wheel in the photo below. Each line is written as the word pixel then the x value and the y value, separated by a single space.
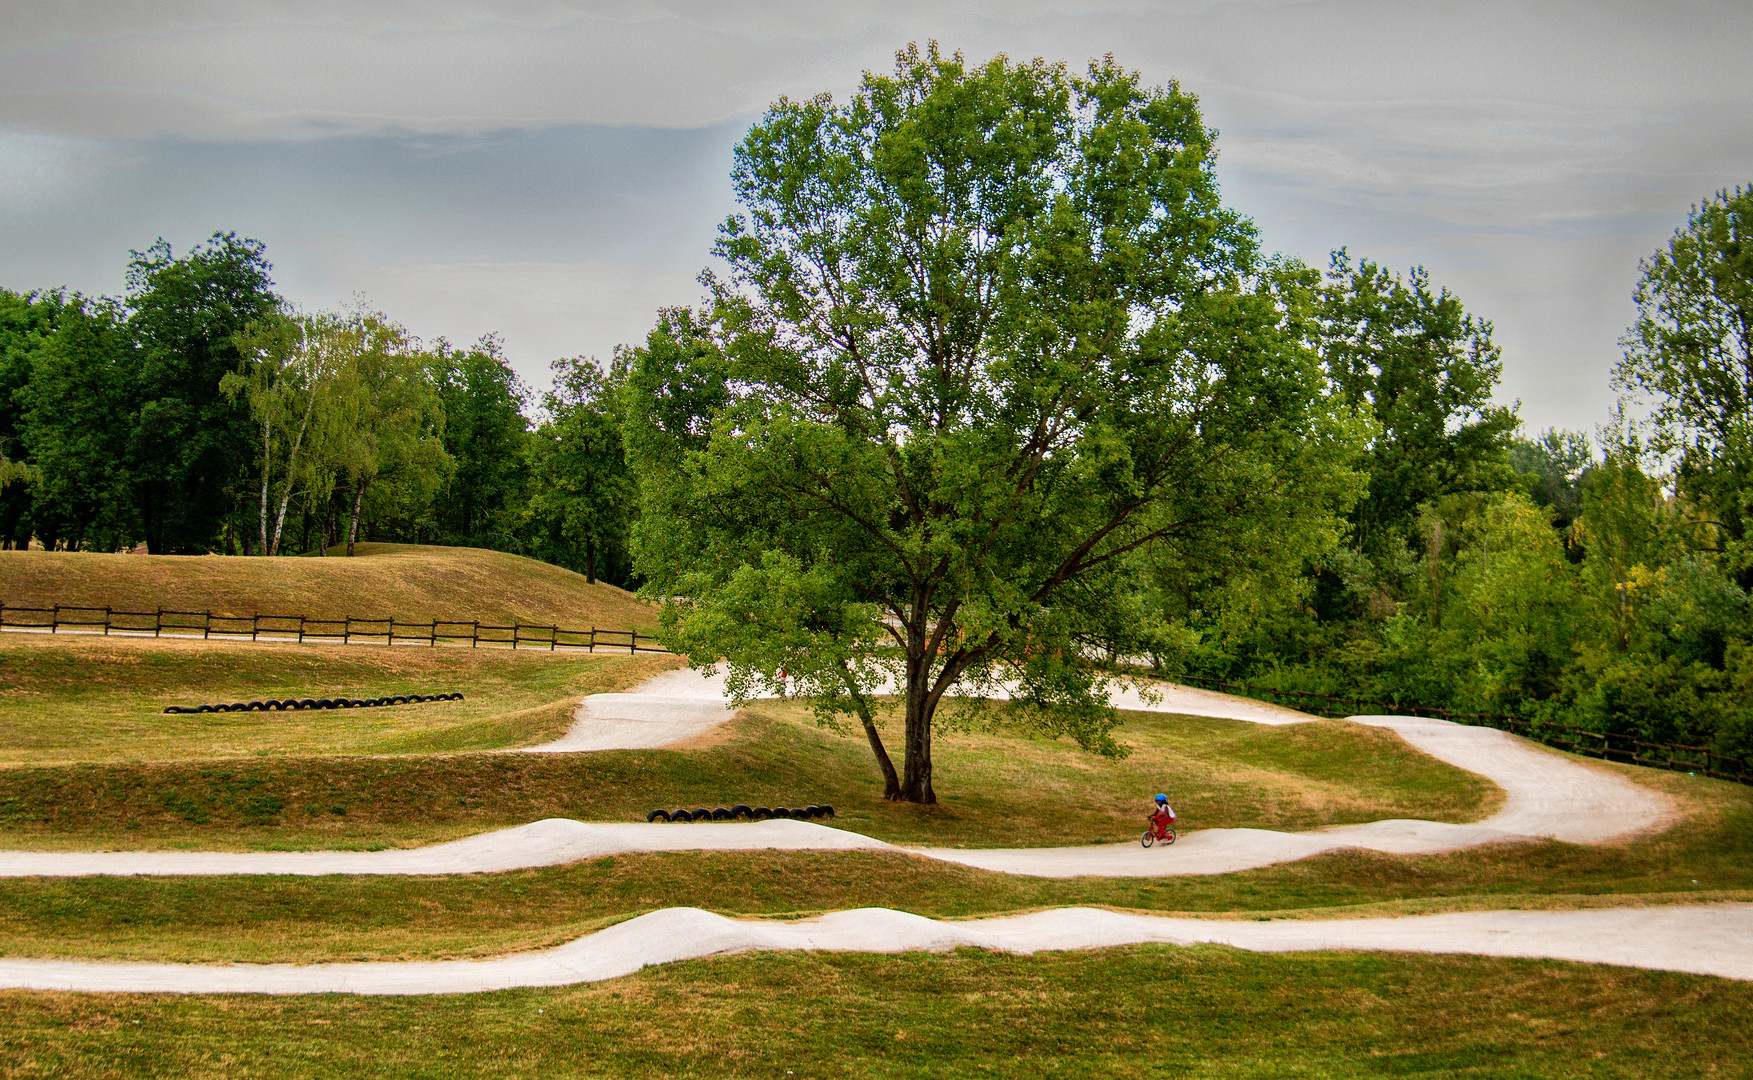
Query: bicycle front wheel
pixel 1148 838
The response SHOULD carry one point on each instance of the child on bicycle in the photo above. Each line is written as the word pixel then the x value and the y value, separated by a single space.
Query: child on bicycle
pixel 1162 816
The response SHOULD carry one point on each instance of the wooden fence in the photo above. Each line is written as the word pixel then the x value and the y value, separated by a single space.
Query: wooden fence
pixel 303 628
pixel 1597 744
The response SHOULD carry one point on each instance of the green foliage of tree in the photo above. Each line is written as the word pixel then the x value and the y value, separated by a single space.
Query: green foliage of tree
pixel 389 423
pixel 292 379
pixel 582 496
pixel 25 320
pixel 79 383
pixel 485 433
pixel 190 448
pixel 1689 358
pixel 1424 368
pixel 991 352
pixel 1552 466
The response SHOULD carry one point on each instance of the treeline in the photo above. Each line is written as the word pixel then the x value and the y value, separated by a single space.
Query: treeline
pixel 202 413
pixel 1600 582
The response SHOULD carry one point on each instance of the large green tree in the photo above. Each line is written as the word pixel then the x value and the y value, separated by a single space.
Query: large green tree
pixel 581 497
pixel 991 349
pixel 192 449
pixel 1425 369
pixel 1689 359
pixel 485 432
pixel 26 319
pixel 77 391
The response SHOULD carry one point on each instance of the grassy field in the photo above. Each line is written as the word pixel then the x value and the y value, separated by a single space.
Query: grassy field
pixel 403 581
pixel 94 699
pixel 998 789
pixel 1709 856
pixel 1144 1011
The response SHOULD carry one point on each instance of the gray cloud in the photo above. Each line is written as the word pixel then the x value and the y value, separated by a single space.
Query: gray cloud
pixel 553 169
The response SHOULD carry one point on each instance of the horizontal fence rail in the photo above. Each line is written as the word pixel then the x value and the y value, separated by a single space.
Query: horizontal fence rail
pixel 303 628
pixel 1608 746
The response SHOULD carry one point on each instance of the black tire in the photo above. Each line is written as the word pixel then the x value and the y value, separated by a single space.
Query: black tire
pixel 279 706
pixel 258 706
pixel 761 813
pixel 173 708
pixel 658 815
pixel 741 810
pixel 827 811
pixel 813 811
pixel 721 814
pixel 456 697
pixel 1148 838
pixel 1168 836
pixel 203 708
pixel 681 815
pixel 781 812
pixel 399 699
pixel 702 814
pixel 306 703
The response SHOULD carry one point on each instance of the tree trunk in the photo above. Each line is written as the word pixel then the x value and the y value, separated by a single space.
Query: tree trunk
pixel 590 563
pixel 891 782
pixel 916 746
pixel 267 470
pixel 353 525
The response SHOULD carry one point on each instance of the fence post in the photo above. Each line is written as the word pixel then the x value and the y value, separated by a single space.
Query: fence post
pixel 206 624
pixel 593 640
pixel 158 622
pixel 475 634
pixel 55 619
pixel 633 644
pixel 301 629
pixel 553 637
pixel 255 624
pixel 346 629
pixel 106 620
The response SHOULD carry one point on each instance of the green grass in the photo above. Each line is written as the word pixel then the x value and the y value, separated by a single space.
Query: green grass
pixel 94 699
pixel 1145 1011
pixel 999 790
pixel 288 919
pixel 404 581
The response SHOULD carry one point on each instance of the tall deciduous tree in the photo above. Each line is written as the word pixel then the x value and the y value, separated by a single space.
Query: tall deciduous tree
pixel 26 320
pixel 1689 357
pixel 78 387
pixel 485 432
pixel 192 450
pixel 292 380
pixel 390 420
pixel 1425 369
pixel 581 496
pixel 991 347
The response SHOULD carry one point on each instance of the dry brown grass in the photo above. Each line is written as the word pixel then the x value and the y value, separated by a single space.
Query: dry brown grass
pixel 382 581
pixel 91 699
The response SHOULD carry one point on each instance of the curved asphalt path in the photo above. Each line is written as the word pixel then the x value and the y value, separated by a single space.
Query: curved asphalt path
pixel 1548 796
pixel 1706 940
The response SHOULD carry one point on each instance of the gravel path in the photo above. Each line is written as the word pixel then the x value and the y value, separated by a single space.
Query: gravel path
pixel 1548 795
pixel 1704 939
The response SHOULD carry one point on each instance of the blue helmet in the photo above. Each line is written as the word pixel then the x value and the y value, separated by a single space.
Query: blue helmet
pixel 1162 798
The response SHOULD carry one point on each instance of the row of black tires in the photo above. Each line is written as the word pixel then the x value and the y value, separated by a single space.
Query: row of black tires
pixel 281 705
pixel 747 813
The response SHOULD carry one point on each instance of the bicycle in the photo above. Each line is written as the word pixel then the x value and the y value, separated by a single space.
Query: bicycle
pixel 1157 831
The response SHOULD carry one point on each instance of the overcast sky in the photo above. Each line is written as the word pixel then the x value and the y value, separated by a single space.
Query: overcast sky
pixel 553 170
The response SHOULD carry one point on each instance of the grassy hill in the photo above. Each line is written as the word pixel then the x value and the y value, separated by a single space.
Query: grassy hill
pixel 383 580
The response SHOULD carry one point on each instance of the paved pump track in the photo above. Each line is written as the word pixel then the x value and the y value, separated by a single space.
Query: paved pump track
pixel 1705 940
pixel 1548 795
